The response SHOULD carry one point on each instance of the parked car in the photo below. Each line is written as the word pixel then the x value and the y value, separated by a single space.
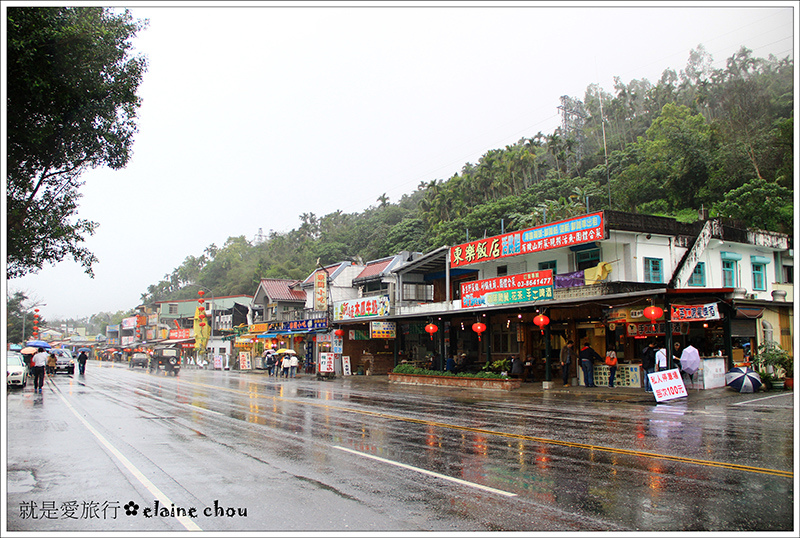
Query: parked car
pixel 16 370
pixel 64 361
pixel 139 359
pixel 168 359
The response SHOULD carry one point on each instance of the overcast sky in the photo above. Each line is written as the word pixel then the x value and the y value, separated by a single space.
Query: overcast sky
pixel 253 115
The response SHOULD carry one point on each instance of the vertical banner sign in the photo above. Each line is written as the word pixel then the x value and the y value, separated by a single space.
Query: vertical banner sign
pixel 244 361
pixel 321 290
pixel 667 385
pixel 346 365
pixel 325 363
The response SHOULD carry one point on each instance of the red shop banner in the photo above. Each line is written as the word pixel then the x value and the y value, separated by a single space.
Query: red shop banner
pixel 700 312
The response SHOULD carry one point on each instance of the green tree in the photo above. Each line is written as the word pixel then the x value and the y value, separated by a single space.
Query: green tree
pixel 761 204
pixel 72 105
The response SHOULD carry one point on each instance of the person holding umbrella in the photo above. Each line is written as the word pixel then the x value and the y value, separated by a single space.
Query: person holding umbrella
pixel 82 358
pixel 39 361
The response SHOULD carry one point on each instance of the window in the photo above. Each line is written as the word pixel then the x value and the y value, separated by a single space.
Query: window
pixel 758 277
pixel 698 277
pixel 504 338
pixel 417 292
pixel 759 264
pixel 587 258
pixel 729 273
pixel 502 270
pixel 652 270
pixel 548 265
pixel 173 309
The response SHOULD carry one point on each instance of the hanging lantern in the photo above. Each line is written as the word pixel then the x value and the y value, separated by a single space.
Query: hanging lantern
pixel 201 293
pixel 478 328
pixel 202 324
pixel 541 321
pixel 653 313
pixel 298 338
pixel 201 300
pixel 431 328
pixel 338 332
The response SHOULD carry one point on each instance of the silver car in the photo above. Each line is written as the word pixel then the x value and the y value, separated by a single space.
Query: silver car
pixel 16 370
pixel 64 361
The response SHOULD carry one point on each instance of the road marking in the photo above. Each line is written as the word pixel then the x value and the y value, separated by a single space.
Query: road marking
pixel 183 520
pixel 541 440
pixel 429 473
pixel 759 399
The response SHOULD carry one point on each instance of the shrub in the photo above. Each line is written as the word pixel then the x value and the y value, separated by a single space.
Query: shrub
pixel 413 370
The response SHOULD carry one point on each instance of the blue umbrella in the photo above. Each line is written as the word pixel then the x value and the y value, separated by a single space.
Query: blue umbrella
pixel 39 343
pixel 743 379
pixel 86 349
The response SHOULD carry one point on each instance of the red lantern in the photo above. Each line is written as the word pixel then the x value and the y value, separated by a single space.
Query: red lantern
pixel 201 293
pixel 478 328
pixel 541 321
pixel 201 300
pixel 653 313
pixel 430 328
pixel 338 332
pixel 298 338
pixel 202 324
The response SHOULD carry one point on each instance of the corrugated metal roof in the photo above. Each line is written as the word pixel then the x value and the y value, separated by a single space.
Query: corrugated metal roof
pixel 280 289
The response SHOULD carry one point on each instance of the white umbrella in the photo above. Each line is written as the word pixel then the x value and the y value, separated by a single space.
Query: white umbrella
pixel 690 360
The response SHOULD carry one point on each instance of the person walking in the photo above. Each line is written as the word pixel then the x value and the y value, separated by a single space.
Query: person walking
pixel 39 363
pixel 648 364
pixel 271 364
pixel 51 364
pixel 567 354
pixel 588 357
pixel 661 359
pixel 285 363
pixel 294 362
pixel 611 362
pixel 82 358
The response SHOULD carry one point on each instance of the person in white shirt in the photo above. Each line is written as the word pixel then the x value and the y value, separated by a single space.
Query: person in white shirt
pixel 285 364
pixel 293 364
pixel 39 362
pixel 661 359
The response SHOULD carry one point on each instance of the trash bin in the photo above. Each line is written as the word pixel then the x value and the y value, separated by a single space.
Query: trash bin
pixel 259 363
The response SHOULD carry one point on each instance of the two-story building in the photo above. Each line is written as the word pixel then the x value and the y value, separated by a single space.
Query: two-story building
pixel 592 277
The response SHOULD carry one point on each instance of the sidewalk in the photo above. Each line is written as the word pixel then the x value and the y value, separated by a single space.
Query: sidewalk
pixel 722 395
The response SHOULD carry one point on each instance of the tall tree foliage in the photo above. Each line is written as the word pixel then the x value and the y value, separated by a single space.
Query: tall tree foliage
pixel 72 105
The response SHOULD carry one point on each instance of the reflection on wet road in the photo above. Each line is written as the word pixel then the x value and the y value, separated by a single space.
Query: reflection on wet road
pixel 359 454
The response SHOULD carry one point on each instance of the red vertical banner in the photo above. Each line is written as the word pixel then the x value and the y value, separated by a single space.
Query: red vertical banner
pixel 321 290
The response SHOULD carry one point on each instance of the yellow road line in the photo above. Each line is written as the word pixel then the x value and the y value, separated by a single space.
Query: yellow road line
pixel 542 440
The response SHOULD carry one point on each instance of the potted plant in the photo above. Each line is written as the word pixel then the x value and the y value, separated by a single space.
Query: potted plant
pixel 774 360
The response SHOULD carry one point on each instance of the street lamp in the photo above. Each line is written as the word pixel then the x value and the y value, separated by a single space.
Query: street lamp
pixel 25 316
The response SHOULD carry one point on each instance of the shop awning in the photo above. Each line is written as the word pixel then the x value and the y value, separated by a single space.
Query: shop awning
pixel 175 341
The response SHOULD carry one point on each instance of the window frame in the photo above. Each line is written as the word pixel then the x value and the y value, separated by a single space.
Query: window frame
pixel 698 276
pixel 655 276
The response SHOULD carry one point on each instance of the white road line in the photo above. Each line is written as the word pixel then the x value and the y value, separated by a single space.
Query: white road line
pixel 183 520
pixel 759 399
pixel 430 473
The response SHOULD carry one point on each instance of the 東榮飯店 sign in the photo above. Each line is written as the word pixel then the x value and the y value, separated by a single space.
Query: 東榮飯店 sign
pixel 565 233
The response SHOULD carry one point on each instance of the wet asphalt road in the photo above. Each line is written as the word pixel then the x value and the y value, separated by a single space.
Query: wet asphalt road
pixel 234 451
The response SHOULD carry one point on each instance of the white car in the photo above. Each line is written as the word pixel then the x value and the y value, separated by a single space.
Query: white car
pixel 16 370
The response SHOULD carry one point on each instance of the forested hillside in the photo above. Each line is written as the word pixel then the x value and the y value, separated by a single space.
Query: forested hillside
pixel 719 139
